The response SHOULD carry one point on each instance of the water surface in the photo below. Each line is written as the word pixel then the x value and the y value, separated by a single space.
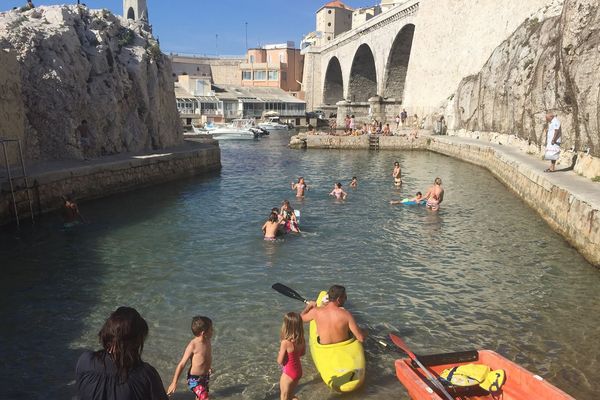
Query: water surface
pixel 484 272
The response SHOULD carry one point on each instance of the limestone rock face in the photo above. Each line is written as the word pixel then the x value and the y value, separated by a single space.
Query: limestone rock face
pixel 80 64
pixel 551 62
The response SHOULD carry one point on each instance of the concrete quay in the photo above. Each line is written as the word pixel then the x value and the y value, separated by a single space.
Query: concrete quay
pixel 101 177
pixel 566 200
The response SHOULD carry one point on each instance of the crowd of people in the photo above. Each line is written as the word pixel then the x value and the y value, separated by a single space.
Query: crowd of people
pixel 117 371
pixel 375 127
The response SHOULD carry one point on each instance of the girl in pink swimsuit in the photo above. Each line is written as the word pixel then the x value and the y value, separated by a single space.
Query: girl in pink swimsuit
pixel 291 349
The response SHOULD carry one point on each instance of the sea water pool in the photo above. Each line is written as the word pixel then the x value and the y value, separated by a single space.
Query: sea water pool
pixel 484 272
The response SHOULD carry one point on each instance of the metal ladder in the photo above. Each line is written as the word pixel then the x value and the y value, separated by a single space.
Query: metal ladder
pixel 12 179
pixel 373 142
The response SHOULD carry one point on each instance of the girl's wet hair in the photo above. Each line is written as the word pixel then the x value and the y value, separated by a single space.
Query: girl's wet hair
pixel 339 185
pixel 419 194
pixel 122 336
pixel 292 328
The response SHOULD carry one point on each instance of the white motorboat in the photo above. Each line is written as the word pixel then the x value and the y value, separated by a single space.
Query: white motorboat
pixel 273 124
pixel 239 129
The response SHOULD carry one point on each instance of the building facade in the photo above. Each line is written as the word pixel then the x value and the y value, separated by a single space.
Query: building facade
pixel 276 65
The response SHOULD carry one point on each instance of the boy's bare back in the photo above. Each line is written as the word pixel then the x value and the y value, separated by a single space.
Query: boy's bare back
pixel 200 351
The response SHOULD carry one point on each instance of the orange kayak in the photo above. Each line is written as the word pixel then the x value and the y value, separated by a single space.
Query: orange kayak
pixel 520 384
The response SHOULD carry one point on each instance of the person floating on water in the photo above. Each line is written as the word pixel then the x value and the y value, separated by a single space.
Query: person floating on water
pixel 354 182
pixel 271 226
pixel 417 199
pixel 292 347
pixel 435 195
pixel 289 220
pixel 338 192
pixel 334 322
pixel 300 187
pixel 70 212
pixel 199 353
pixel 397 174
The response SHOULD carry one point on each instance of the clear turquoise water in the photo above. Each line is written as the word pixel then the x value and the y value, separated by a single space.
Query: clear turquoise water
pixel 483 272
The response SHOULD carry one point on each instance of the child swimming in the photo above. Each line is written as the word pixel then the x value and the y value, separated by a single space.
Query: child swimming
pixel 289 219
pixel 199 353
pixel 300 187
pixel 291 349
pixel 417 199
pixel 354 182
pixel 338 192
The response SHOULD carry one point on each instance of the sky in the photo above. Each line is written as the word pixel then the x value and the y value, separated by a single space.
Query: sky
pixel 219 27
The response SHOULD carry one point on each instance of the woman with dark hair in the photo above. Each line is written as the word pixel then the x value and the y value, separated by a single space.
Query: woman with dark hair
pixel 117 372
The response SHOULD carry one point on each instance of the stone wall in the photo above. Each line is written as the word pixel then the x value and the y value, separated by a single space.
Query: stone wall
pixel 548 64
pixel 454 39
pixel 108 177
pixel 80 64
pixel 12 110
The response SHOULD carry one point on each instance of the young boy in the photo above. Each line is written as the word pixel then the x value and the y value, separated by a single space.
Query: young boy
pixel 199 351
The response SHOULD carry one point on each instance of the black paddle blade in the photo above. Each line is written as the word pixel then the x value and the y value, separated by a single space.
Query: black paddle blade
pixel 289 292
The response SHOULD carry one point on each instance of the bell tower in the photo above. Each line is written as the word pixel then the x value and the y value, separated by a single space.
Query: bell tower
pixel 136 10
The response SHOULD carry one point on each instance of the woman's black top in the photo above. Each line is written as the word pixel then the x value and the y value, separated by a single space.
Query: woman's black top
pixel 97 379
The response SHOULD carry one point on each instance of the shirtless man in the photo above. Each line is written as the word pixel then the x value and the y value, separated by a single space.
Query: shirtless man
pixel 435 195
pixel 397 174
pixel 300 187
pixel 271 227
pixel 334 322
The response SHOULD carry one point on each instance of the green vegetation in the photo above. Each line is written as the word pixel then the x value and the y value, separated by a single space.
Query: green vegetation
pixel 533 25
pixel 155 53
pixel 126 37
pixel 596 178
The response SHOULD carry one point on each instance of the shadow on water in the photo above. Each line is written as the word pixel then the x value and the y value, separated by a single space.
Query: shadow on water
pixel 53 277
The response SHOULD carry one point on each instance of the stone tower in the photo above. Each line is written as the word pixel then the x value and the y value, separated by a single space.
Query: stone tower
pixel 136 10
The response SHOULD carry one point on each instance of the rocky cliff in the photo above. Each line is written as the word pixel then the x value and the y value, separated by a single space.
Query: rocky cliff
pixel 79 64
pixel 551 62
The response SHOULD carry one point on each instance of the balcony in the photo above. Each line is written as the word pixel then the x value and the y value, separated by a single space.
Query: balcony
pixel 261 66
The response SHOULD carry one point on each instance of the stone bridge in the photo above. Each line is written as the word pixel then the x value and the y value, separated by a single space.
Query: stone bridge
pixel 414 55
pixel 363 63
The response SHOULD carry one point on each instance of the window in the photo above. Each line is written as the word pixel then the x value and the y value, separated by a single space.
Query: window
pixel 246 75
pixel 273 75
pixel 328 11
pixel 260 75
pixel 251 59
pixel 269 59
pixel 329 24
pixel 282 58
pixel 328 37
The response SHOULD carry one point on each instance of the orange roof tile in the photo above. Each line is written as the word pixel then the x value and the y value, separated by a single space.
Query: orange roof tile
pixel 336 4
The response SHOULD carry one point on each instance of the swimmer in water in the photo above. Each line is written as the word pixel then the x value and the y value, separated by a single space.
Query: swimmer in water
pixel 338 192
pixel 354 182
pixel 289 220
pixel 271 227
pixel 417 199
pixel 397 174
pixel 300 187
pixel 435 195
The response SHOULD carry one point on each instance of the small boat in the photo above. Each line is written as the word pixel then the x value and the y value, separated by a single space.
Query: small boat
pixel 274 124
pixel 520 384
pixel 238 129
pixel 341 365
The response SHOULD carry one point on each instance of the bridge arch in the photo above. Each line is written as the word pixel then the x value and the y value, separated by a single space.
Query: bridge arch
pixel 363 75
pixel 333 90
pixel 397 64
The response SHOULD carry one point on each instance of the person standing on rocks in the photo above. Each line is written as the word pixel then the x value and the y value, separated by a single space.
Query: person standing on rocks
pixel 553 139
pixel 403 117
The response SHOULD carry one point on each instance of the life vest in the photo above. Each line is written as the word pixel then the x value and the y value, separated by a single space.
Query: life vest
pixel 474 375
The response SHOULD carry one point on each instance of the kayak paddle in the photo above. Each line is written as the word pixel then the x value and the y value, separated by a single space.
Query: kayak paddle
pixel 400 343
pixel 289 292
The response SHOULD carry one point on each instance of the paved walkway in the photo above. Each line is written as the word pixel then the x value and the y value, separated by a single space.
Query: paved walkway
pixel 47 168
pixel 583 188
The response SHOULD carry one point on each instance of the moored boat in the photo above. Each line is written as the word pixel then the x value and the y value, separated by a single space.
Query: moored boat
pixel 274 124
pixel 519 384
pixel 341 365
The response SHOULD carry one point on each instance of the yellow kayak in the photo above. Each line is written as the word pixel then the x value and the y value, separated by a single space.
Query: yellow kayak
pixel 341 365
